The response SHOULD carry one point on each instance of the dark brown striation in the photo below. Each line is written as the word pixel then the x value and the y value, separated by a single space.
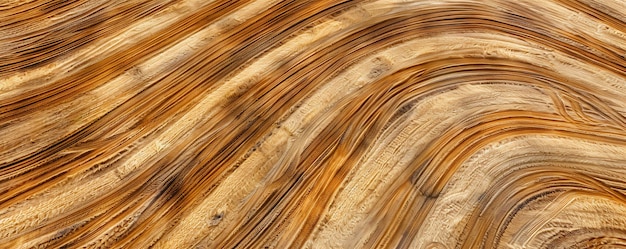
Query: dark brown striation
pixel 316 124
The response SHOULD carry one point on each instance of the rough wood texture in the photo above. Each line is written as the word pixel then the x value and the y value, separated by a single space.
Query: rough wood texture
pixel 316 124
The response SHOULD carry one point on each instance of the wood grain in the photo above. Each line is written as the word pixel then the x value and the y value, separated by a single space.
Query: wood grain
pixel 312 124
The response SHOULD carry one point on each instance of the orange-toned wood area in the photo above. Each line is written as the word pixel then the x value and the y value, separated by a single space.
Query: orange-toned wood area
pixel 313 124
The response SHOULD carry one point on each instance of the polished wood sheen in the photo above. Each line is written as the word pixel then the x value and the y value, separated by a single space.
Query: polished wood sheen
pixel 313 124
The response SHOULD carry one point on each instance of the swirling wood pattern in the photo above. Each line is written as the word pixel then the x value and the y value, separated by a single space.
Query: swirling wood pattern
pixel 315 124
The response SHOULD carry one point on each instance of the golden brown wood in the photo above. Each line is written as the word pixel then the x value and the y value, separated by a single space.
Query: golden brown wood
pixel 313 124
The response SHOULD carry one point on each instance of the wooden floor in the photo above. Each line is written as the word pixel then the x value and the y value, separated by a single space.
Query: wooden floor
pixel 313 124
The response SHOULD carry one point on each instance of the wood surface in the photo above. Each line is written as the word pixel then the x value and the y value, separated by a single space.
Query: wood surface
pixel 313 124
